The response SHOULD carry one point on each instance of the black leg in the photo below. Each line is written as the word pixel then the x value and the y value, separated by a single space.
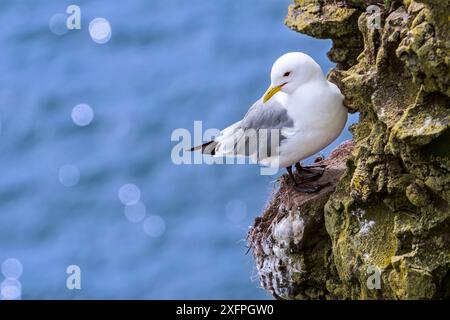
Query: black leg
pixel 289 170
pixel 298 167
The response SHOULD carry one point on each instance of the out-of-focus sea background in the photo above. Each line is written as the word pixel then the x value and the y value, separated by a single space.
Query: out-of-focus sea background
pixel 94 185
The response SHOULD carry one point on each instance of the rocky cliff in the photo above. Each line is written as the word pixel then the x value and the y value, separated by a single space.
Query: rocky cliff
pixel 381 230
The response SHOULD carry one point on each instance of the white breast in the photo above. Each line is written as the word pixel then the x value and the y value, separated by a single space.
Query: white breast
pixel 319 119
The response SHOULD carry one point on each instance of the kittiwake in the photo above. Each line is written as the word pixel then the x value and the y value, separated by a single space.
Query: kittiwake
pixel 301 109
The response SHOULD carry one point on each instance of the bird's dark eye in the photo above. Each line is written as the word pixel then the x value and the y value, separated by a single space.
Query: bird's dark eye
pixel 286 74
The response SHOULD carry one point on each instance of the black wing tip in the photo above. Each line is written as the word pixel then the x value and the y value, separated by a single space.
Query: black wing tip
pixel 203 148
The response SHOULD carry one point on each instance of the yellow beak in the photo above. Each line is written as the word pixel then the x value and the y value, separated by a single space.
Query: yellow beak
pixel 270 93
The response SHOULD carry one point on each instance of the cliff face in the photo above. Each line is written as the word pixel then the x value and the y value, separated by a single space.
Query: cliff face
pixel 381 231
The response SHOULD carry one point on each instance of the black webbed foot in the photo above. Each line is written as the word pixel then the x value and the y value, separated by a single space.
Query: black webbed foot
pixel 309 173
pixel 299 186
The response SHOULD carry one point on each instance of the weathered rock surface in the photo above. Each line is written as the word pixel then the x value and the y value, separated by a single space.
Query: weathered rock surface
pixel 290 243
pixel 390 209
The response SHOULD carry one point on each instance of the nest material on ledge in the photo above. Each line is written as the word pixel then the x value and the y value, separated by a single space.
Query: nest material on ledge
pixel 289 242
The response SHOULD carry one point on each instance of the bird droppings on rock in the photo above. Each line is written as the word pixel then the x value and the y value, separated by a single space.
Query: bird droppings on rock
pixel 366 226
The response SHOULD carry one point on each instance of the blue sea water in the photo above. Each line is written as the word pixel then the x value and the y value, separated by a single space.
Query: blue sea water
pixel 168 63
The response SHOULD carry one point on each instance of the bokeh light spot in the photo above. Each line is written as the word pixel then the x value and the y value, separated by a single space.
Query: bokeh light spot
pixel 57 24
pixel 12 268
pixel 82 115
pixel 129 194
pixel 10 289
pixel 69 175
pixel 154 226
pixel 100 30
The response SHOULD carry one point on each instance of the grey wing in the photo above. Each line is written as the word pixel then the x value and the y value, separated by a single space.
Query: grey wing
pixel 270 115
pixel 259 133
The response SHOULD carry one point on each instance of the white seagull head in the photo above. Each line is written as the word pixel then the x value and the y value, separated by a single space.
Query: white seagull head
pixel 290 71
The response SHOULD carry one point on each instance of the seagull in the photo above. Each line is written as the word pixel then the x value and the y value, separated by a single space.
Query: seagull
pixel 300 105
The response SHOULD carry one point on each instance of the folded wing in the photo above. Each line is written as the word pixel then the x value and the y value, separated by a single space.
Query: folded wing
pixel 258 135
